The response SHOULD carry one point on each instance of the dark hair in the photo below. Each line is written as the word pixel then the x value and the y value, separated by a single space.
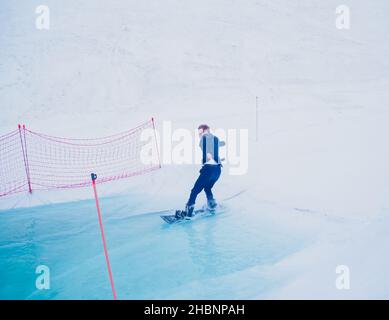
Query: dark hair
pixel 203 127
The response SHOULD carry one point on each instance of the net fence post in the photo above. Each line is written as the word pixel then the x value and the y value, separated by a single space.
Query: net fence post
pixel 156 142
pixel 256 119
pixel 25 157
pixel 94 177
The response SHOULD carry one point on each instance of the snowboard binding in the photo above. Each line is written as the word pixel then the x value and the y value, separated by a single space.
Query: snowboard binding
pixel 180 214
pixel 187 213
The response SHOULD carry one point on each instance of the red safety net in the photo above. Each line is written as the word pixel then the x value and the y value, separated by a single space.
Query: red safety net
pixel 35 161
pixel 12 167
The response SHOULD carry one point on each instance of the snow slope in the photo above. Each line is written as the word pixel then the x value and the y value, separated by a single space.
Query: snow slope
pixel 319 167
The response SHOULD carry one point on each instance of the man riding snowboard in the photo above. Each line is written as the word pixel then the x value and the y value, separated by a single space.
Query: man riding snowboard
pixel 209 173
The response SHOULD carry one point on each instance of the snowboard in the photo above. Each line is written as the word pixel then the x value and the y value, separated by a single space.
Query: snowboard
pixel 204 211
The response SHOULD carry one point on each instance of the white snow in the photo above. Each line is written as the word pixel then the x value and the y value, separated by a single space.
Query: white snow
pixel 321 163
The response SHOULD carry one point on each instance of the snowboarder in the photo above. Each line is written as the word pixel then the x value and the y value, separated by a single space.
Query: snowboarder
pixel 209 173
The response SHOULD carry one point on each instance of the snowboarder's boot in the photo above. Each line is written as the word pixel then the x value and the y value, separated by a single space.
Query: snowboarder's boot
pixel 189 210
pixel 211 203
pixel 180 214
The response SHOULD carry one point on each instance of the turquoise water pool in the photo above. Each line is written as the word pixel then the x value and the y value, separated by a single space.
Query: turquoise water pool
pixel 215 257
